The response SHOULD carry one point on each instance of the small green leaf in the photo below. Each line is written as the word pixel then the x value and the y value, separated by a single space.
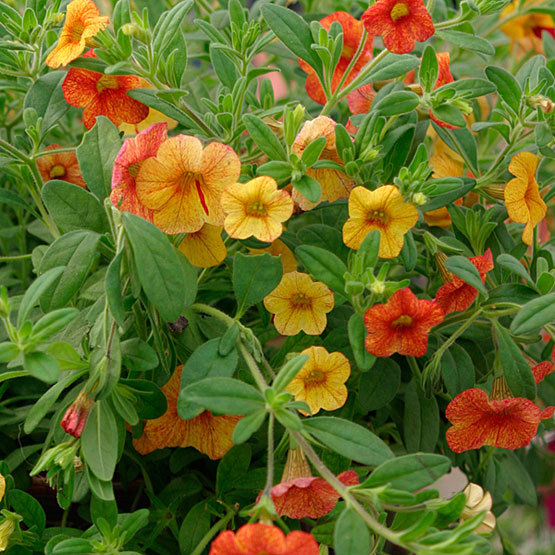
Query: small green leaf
pixel 233 466
pixel 52 322
pixel 137 355
pixel 396 103
pixel 42 366
pixel 35 291
pixel 308 187
pixel 288 372
pixel 463 268
pixel 312 152
pixel 324 266
pixel 29 508
pixel 264 138
pixel 429 69
pixel 47 98
pixel 421 423
pixel 357 335
pixel 379 385
pixel 467 41
pixel 247 426
pixel 534 315
pixel 112 287
pixel 507 86
pixel 194 527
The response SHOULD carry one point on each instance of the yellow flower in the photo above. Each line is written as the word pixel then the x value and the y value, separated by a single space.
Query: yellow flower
pixel 476 502
pixel 7 527
pixel 204 248
pixel 154 116
pixel 2 487
pixel 299 303
pixel 525 26
pixel 522 196
pixel 384 210
pixel 279 248
pixel 256 208
pixel 321 381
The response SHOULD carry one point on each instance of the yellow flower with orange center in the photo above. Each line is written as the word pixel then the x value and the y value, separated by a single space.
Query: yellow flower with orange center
pixel 334 183
pixel 522 196
pixel 320 383
pixel 256 209
pixel 83 21
pixel 183 183
pixel 204 248
pixel 298 303
pixel 383 209
pixel 279 248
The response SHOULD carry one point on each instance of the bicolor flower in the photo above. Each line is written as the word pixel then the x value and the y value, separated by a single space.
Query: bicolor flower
pixel 132 154
pixel 383 209
pixel 320 383
pixel 352 35
pixel 457 295
pixel 204 248
pixel 522 196
pixel 476 502
pixel 208 434
pixel 263 539
pixel 298 303
pixel 256 209
pixel 184 182
pixel 335 184
pixel 400 23
pixel 83 21
pixel 401 325
pixel 279 248
pixel 76 415
pixel 62 166
pixel 104 95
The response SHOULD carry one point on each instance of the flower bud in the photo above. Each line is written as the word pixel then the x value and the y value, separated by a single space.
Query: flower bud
pixel 75 418
pixel 545 104
pixel 7 527
pixel 487 7
pixel 377 287
pixel 476 502
pixel 419 199
pixel 133 30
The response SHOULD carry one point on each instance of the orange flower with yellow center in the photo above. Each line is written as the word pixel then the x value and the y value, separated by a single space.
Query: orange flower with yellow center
pixel 204 248
pixel 320 383
pixel 298 303
pixel 256 209
pixel 63 166
pixel 83 21
pixel 335 184
pixel 522 196
pixel 384 210
pixel 184 182
pixel 279 248
pixel 528 26
pixel 208 434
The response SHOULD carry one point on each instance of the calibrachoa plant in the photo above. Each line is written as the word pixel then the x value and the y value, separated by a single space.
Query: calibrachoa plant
pixel 271 269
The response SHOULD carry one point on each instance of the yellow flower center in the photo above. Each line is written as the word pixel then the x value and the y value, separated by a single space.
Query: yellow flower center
pixel 106 82
pixel 399 10
pixel 378 217
pixel 134 169
pixel 404 321
pixel 256 208
pixel 300 300
pixel 77 31
pixel 315 377
pixel 57 171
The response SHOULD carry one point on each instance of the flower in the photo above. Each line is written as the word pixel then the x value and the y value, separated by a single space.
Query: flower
pixel 457 295
pixel 208 434
pixel 62 166
pixel 476 502
pixel 360 100
pixel 263 539
pixel 104 95
pixel 132 154
pixel 352 35
pixel 542 369
pixel 83 21
pixel 7 527
pixel 301 495
pixel 321 380
pixel 279 248
pixel 500 420
pixel 204 248
pixel 154 116
pixel 401 325
pixel 522 196
pixel 299 303
pixel 76 415
pixel 400 23
pixel 183 183
pixel 382 209
pixel 256 208
pixel 2 487
pixel 335 183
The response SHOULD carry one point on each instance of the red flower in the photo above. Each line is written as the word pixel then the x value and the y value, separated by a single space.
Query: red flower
pixel 401 325
pixel 62 166
pixel 263 539
pixel 352 33
pixel 400 23
pixel 104 95
pixel 76 415
pixel 457 295
pixel 443 76
pixel 543 369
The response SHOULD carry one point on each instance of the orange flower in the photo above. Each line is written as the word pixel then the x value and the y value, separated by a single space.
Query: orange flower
pixel 320 383
pixel 208 434
pixel 457 295
pixel 183 183
pixel 299 304
pixel 335 184
pixel 104 95
pixel 400 23
pixel 382 209
pixel 360 100
pixel 256 208
pixel 401 325
pixel 204 248
pixel 132 154
pixel 62 166
pixel 352 35
pixel 443 77
pixel 263 539
pixel 301 495
pixel 83 21
pixel 279 248
pixel 542 369
pixel 522 196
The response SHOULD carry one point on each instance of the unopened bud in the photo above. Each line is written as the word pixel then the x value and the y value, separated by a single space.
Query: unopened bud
pixel 57 18
pixel 476 502
pixel 545 104
pixel 7 527
pixel 133 30
pixel 377 287
pixel 75 418
pixel 419 199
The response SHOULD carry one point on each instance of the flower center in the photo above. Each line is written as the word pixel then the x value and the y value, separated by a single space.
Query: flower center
pixel 300 300
pixel 404 321
pixel 399 10
pixel 377 217
pixel 256 208
pixel 57 171
pixel 316 376
pixel 134 169
pixel 106 82
pixel 77 31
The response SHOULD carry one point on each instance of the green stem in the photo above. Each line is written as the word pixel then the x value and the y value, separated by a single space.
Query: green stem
pixel 220 525
pixel 253 367
pixel 54 151
pixel 459 332
pixel 270 464
pixel 18 257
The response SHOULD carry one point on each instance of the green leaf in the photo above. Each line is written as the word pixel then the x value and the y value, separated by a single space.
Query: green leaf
pixel 463 268
pixel 534 315
pixel 357 335
pixel 233 466
pixel 449 189
pixel 507 86
pixel 461 141
pixel 228 341
pixel 264 138
pixel 223 66
pixel 247 426
pixel 68 358
pixel 168 25
pixel 324 266
pixel 351 535
pixel 449 114
pixel 379 385
pixel 519 478
pixel 13 199
pixel 158 266
pixel 457 370
pixel 398 102
pixel 52 322
pixel 8 351
pixel 41 366
pixel 429 69
pixel 103 489
pixel 391 67
pixel 194 527
pixel 348 439
pixel 471 88
pixel 312 152
pixel 514 266
pixel 74 208
pixel 99 441
pixel 421 422
pixel 288 372
pixel 47 98
pixel 308 187
pixel 254 277
pixel 467 41
pixel 29 508
pixel 96 155
pixel 369 249
pixel 138 355
pixel 150 400
pixel 112 287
